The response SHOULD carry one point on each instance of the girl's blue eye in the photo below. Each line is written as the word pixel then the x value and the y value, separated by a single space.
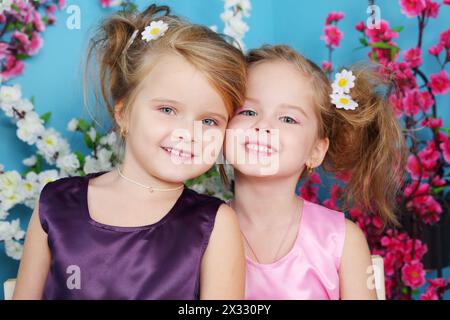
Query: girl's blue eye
pixel 166 110
pixel 210 122
pixel 288 120
pixel 249 113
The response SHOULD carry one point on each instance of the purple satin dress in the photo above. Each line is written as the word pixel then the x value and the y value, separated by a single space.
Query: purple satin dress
pixel 91 260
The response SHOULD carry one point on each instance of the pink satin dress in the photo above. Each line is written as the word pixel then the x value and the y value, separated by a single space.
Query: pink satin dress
pixel 310 270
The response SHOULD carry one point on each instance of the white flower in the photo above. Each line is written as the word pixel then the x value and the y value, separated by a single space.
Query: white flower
pixel 30 128
pixel 72 125
pixel 91 165
pixel 343 101
pixel 10 182
pixel 31 161
pixel 11 230
pixel 3 213
pixel 51 143
pixel 344 81
pixel 155 30
pixel 47 176
pixel 14 249
pixel 31 184
pixel 104 157
pixel 68 163
pixel 24 105
pixel 10 94
pixel 244 5
pixel 110 139
pixel 92 134
pixel 226 15
pixel 5 5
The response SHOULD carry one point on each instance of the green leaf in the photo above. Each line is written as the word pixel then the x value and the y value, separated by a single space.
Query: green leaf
pixel 29 28
pixel 32 100
pixel 398 28
pixel 446 130
pixel 437 190
pixel 46 116
pixel 363 41
pixel 382 45
pixel 80 158
pixel 15 7
pixel 83 125
pixel 22 56
pixel 373 56
pixel 88 141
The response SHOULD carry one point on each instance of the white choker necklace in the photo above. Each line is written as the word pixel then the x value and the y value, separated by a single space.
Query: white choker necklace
pixel 151 189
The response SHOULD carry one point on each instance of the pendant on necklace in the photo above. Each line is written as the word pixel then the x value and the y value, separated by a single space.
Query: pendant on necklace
pixel 150 189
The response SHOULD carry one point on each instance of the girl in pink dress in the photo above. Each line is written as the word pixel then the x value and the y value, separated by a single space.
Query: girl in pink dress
pixel 294 119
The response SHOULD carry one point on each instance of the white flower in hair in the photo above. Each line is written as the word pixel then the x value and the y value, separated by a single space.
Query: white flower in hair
pixel 343 101
pixel 155 30
pixel 344 81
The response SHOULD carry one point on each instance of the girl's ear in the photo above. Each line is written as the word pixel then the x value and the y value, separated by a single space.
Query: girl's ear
pixel 319 152
pixel 119 115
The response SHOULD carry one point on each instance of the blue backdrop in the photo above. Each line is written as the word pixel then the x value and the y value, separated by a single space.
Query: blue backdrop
pixel 54 76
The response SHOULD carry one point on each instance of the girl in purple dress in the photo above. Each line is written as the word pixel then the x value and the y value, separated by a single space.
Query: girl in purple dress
pixel 137 232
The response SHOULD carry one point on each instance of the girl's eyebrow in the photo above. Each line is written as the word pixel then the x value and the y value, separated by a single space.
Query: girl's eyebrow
pixel 164 100
pixel 291 106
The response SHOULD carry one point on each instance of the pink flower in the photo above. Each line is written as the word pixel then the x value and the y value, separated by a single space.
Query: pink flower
pixel 436 49
pixel 327 66
pixel 444 38
pixel 38 22
pixel 332 36
pixel 423 204
pixel 22 38
pixel 412 8
pixel 447 2
pixel 35 44
pixel 383 33
pixel 360 26
pixel 334 17
pixel 403 75
pixel 437 181
pixel 413 57
pixel 437 283
pixel 429 156
pixel 432 9
pixel 445 147
pixel 106 3
pixel 439 83
pixel 4 50
pixel 429 295
pixel 13 68
pixel 416 101
pixel 50 9
pixel 432 123
pixel 413 168
pixel 413 274
pixel 61 4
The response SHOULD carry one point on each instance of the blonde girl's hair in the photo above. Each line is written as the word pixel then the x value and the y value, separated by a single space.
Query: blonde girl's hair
pixel 366 142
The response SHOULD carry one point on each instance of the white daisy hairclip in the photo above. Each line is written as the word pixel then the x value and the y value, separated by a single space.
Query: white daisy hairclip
pixel 154 31
pixel 343 82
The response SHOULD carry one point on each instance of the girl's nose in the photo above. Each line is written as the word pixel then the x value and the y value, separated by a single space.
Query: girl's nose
pixel 267 130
